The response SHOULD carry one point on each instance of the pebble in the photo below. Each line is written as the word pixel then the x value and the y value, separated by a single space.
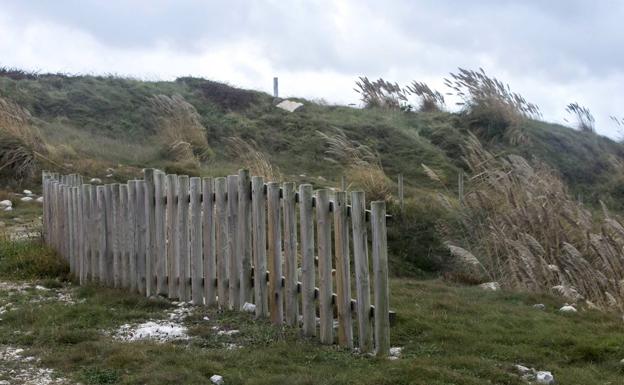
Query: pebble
pixel 492 286
pixel 40 199
pixel 6 203
pixel 545 378
pixel 539 306
pixel 96 180
pixel 217 379
pixel 249 307
pixel 28 192
pixel 26 199
pixel 9 208
pixel 568 309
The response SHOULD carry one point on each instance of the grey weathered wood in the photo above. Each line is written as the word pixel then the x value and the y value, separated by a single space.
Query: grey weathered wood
pixel 124 255
pixel 172 235
pixel 108 212
pixel 86 245
pixel 69 251
pixel 208 238
pixel 133 236
pixel 116 244
pixel 221 241
pixel 380 277
pixel 276 296
pixel 197 266
pixel 140 236
pixel 308 270
pixel 244 236
pixel 159 262
pixel 259 246
pixel 291 303
pixel 184 287
pixel 150 232
pixel 233 257
pixel 323 229
pixel 343 272
pixel 76 229
pixel 360 263
pixel 94 233
pixel 101 221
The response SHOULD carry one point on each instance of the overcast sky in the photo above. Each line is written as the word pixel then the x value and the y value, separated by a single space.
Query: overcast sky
pixel 551 51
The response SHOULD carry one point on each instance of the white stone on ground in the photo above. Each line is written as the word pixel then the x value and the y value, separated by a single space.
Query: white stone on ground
pixel 545 378
pixel 217 379
pixel 289 105
pixel 96 180
pixel 539 306
pixel 523 370
pixel 26 199
pixel 40 199
pixel 160 331
pixel 395 352
pixel 28 192
pixel 227 332
pixel 568 309
pixel 23 370
pixel 249 307
pixel 491 286
pixel 6 203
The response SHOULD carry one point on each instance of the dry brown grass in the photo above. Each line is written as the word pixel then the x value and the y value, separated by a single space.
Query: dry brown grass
pixel 180 131
pixel 362 165
pixel 380 93
pixel 529 234
pixel 583 116
pixel 430 100
pixel 256 161
pixel 21 145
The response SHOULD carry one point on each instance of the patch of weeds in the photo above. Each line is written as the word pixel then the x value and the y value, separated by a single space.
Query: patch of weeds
pixel 97 376
pixel 30 259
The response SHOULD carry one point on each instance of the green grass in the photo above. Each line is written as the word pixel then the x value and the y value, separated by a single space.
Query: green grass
pixel 29 259
pixel 450 334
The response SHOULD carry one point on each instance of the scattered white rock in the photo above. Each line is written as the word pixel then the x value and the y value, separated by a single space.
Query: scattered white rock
pixel 206 319
pixel 26 199
pixel 544 377
pixel 523 370
pixel 110 170
pixel 27 192
pixel 217 379
pixel 6 203
pixel 9 208
pixel 160 331
pixel 95 180
pixel 289 105
pixel 40 199
pixel 395 352
pixel 491 286
pixel 568 309
pixel 227 332
pixel 109 175
pixel 249 307
pixel 539 306
pixel 26 372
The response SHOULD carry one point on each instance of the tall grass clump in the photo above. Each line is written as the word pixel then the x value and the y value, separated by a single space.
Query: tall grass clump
pixel 179 129
pixel 21 145
pixel 583 116
pixel 30 259
pixel 528 233
pixel 429 100
pixel 492 110
pixel 380 94
pixel 256 161
pixel 362 165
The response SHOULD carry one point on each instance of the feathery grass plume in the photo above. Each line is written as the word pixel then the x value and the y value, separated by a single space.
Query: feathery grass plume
pixel 530 234
pixel 362 164
pixel 380 93
pixel 584 118
pixel 180 131
pixel 491 108
pixel 430 100
pixel 431 174
pixel 256 161
pixel 21 145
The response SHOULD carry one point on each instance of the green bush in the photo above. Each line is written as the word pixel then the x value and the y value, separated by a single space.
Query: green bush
pixel 29 259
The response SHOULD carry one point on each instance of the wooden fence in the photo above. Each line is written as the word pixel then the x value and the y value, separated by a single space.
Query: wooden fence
pixel 230 241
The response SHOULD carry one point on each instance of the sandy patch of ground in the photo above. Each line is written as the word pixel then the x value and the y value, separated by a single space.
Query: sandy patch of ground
pixel 16 368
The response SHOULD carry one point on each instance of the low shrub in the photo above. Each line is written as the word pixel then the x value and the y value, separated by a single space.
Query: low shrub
pixel 30 259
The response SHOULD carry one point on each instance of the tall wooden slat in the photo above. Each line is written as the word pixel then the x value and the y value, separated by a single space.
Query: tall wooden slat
pixel 258 203
pixel 244 236
pixel 343 271
pixel 291 303
pixel 76 225
pixel 184 288
pixel 94 234
pixel 124 254
pixel 140 236
pixel 101 221
pixel 380 277
pixel 308 270
pixel 172 235
pixel 208 238
pixel 362 280
pixel 197 266
pixel 233 249
pixel 159 262
pixel 69 251
pixel 221 241
pixel 276 295
pixel 116 244
pixel 150 233
pixel 133 236
pixel 86 245
pixel 323 223
pixel 108 211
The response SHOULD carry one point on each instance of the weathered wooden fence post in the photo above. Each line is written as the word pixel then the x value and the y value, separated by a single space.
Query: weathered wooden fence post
pixel 276 297
pixel 308 272
pixel 380 270
pixel 323 226
pixel 172 235
pixel 343 271
pixel 244 236
pixel 259 246
pixel 184 289
pixel 233 257
pixel 362 280
pixel 159 262
pixel 221 241
pixel 196 241
pixel 210 265
pixel 291 308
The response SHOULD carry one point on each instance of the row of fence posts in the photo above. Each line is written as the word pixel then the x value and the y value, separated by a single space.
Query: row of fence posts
pixel 230 241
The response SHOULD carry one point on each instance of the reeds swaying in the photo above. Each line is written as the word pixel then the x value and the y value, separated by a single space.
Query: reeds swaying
pixel 363 166
pixel 21 145
pixel 180 131
pixel 380 93
pixel 529 234
pixel 584 118
pixel 256 161
pixel 430 100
